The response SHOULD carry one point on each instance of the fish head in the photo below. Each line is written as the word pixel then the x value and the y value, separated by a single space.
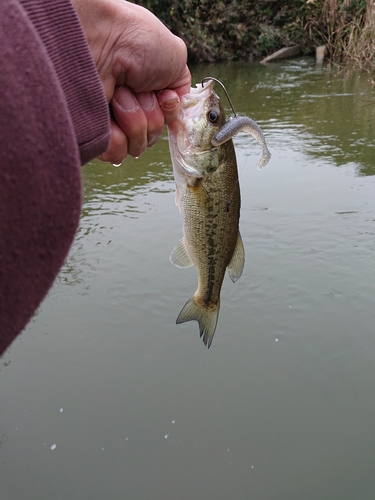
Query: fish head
pixel 202 115
pixel 190 137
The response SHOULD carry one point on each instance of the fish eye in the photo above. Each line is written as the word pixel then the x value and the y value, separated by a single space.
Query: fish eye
pixel 213 115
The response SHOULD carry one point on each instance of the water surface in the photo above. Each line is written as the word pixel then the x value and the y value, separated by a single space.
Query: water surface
pixel 104 396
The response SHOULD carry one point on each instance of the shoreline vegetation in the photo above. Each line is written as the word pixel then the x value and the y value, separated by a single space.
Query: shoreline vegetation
pixel 227 30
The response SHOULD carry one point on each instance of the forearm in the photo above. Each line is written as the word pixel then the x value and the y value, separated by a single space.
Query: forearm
pixel 40 188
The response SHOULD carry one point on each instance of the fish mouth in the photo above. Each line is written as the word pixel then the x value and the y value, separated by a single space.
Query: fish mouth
pixel 196 95
pixel 182 132
pixel 192 104
pixel 200 87
pixel 192 108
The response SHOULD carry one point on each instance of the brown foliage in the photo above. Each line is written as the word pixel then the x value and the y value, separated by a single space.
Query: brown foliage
pixel 350 31
pixel 251 29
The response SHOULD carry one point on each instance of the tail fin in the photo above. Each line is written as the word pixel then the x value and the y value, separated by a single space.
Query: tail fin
pixel 206 317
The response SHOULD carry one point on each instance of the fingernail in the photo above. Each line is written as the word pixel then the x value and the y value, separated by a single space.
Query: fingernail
pixel 146 100
pixel 168 98
pixel 170 105
pixel 125 99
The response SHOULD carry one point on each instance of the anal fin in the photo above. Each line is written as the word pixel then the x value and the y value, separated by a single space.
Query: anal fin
pixel 237 262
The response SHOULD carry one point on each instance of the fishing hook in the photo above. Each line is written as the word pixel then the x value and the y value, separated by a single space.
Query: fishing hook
pixel 225 90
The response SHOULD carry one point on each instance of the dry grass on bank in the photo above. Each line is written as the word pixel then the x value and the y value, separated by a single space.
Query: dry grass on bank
pixel 350 33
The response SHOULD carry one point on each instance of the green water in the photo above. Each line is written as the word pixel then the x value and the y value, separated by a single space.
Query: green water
pixel 105 397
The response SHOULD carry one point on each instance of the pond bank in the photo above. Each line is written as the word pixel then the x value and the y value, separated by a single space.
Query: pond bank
pixel 248 30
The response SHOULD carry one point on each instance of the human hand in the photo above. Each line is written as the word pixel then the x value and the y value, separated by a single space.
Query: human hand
pixel 136 57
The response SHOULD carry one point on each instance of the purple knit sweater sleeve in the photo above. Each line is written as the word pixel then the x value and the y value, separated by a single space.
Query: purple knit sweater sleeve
pixel 59 29
pixel 53 116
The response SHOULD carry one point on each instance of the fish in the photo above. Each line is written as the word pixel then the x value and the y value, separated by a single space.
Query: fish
pixel 208 197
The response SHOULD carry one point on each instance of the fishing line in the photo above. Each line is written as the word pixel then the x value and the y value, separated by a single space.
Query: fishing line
pixel 234 444
pixel 222 413
pixel 234 464
pixel 207 78
pixel 232 461
pixel 222 86
pixel 214 396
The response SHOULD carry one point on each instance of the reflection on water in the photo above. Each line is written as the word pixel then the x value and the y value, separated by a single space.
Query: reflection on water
pixel 108 189
pixel 104 396
pixel 333 110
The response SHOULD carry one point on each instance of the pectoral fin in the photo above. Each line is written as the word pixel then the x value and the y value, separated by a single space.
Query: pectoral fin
pixel 180 257
pixel 237 262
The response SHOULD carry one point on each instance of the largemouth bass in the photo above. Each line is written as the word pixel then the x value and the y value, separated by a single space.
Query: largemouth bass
pixel 208 197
